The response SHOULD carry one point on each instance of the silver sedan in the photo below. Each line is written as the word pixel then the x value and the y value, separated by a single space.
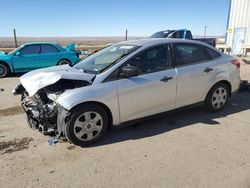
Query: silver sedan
pixel 126 82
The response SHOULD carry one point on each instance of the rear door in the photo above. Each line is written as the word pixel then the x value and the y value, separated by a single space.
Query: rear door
pixel 153 90
pixel 196 67
pixel 49 55
pixel 27 58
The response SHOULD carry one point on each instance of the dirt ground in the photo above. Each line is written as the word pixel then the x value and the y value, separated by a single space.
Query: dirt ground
pixel 191 148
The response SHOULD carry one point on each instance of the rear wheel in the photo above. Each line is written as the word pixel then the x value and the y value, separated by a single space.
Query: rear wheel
pixel 4 70
pixel 64 62
pixel 217 97
pixel 88 123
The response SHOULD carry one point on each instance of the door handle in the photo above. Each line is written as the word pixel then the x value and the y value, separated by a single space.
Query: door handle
pixel 208 69
pixel 166 78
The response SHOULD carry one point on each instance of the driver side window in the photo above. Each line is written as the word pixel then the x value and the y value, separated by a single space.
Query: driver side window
pixel 152 60
pixel 30 50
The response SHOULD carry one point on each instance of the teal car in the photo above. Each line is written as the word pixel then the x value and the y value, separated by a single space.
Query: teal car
pixel 36 55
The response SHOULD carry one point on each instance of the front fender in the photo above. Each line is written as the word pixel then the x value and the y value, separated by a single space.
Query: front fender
pixel 8 60
pixel 104 93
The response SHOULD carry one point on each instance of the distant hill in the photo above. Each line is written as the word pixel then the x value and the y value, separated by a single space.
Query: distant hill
pixel 8 42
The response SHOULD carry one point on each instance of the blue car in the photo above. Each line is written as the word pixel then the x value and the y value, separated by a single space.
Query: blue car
pixel 36 55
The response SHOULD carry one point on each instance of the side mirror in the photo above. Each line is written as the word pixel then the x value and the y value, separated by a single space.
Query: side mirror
pixel 129 71
pixel 85 52
pixel 18 54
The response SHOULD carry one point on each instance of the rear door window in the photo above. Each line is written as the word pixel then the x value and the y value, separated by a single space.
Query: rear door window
pixel 188 35
pixel 190 53
pixel 213 54
pixel 48 49
pixel 178 34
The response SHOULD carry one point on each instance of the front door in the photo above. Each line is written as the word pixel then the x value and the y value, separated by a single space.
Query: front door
pixel 153 90
pixel 27 58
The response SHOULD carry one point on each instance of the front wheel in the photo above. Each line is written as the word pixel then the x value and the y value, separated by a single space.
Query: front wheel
pixel 217 97
pixel 4 70
pixel 87 124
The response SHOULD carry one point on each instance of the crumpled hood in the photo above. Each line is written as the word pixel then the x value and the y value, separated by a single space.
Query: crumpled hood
pixel 38 79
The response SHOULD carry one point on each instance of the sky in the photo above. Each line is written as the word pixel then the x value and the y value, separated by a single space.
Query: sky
pixel 47 18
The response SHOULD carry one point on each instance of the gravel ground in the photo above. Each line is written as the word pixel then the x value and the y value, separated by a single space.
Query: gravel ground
pixel 190 148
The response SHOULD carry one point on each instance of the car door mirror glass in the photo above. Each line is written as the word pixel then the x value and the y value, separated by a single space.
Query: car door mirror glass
pixel 129 71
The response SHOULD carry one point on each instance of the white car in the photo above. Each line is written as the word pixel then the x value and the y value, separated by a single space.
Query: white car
pixel 124 82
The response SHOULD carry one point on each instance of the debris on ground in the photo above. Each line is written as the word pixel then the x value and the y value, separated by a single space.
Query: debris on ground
pixel 52 141
pixel 1 89
pixel 70 147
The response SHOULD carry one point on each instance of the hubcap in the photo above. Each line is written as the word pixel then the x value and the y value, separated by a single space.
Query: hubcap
pixel 88 126
pixel 3 70
pixel 219 98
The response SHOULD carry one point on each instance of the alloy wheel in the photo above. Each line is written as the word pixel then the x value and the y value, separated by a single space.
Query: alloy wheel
pixel 3 70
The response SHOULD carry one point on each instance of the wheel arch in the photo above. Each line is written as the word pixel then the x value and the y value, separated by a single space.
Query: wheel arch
pixel 5 63
pixel 64 59
pixel 105 107
pixel 226 82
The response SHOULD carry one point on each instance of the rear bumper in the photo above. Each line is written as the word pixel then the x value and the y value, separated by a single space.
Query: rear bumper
pixel 235 81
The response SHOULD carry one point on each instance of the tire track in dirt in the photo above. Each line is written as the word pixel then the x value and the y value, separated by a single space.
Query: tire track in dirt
pixel 15 145
pixel 11 111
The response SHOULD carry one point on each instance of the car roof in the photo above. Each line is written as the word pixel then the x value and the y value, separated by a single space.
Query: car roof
pixel 33 43
pixel 156 41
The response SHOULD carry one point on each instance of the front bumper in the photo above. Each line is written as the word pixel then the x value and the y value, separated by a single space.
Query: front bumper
pixel 62 118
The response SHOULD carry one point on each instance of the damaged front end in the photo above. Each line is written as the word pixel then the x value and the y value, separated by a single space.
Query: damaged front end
pixel 39 90
pixel 43 113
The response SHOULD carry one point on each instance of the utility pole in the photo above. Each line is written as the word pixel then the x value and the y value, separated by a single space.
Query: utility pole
pixel 15 37
pixel 205 31
pixel 126 35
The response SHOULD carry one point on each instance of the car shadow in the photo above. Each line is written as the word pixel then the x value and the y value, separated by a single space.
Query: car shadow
pixel 175 120
pixel 15 75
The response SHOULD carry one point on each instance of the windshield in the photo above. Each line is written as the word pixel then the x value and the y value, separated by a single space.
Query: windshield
pixel 15 50
pixel 103 59
pixel 161 34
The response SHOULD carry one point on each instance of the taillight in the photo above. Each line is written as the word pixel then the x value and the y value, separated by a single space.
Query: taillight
pixel 236 63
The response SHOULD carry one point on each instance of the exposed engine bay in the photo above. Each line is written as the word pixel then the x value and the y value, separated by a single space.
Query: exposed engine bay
pixel 41 109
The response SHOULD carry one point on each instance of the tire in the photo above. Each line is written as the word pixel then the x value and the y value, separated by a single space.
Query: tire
pixel 217 98
pixel 4 70
pixel 64 62
pixel 87 124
